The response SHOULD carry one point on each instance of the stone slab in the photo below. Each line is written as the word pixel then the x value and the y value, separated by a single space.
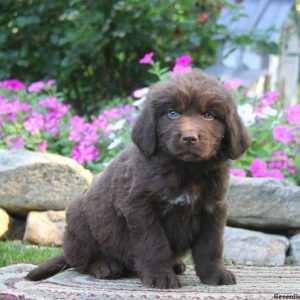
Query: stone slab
pixel 263 203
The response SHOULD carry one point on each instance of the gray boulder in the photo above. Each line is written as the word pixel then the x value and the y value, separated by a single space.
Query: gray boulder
pixel 263 203
pixel 254 248
pixel 295 249
pixel 39 181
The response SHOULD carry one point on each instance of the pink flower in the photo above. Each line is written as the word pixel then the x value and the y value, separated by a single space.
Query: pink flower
pixel 238 172
pixel 11 117
pixel 51 82
pixel 292 169
pixel 43 146
pixel 184 60
pixel 84 153
pixel 112 113
pixel 269 98
pixel 16 143
pixel 52 121
pixel 283 134
pixel 233 84
pixel 34 123
pixel 13 84
pixel 279 160
pixel 36 87
pixel 182 65
pixel 274 173
pixel 140 93
pixel 147 59
pixel 293 114
pixel 258 168
pixel 178 69
pixel 52 103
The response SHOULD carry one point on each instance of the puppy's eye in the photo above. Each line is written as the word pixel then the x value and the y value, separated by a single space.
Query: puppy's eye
pixel 173 114
pixel 209 115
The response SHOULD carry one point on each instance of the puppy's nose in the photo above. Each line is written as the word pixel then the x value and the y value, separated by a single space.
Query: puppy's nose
pixel 189 138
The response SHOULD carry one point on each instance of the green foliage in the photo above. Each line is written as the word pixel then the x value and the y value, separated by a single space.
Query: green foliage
pixel 12 252
pixel 92 47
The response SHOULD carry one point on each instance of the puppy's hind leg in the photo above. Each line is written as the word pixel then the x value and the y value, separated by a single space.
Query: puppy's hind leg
pixel 78 251
pixel 106 268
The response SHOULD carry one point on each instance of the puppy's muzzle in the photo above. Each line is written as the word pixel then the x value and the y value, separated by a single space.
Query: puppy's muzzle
pixel 189 138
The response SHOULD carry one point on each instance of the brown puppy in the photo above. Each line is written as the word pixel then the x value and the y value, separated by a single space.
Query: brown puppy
pixel 162 196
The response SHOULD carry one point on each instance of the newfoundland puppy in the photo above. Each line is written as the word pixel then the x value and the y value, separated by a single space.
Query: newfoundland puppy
pixel 162 196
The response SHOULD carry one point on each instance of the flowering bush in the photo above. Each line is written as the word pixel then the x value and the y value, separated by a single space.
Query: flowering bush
pixel 35 118
pixel 275 131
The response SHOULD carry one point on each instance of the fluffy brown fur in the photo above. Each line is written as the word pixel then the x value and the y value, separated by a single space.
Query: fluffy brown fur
pixel 162 196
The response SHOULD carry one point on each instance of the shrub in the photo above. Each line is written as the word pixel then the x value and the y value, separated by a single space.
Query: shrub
pixel 91 47
pixel 35 118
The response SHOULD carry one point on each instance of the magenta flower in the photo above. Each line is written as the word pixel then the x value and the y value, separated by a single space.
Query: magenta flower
pixel 16 143
pixel 182 65
pixel 78 128
pixel 178 69
pixel 13 84
pixel 293 114
pixel 11 117
pixel 12 107
pixel 84 153
pixel 279 160
pixel 51 82
pixel 274 173
pixel 36 87
pixel 147 59
pixel 283 134
pixel 184 60
pixel 269 97
pixel 113 113
pixel 233 84
pixel 258 168
pixel 52 103
pixel 238 172
pixel 52 122
pixel 42 147
pixel 34 123
pixel 140 93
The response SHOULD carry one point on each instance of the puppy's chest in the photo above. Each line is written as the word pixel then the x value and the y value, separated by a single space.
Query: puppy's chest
pixel 185 201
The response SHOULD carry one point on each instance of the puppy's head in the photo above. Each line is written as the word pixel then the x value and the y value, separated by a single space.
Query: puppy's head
pixel 191 117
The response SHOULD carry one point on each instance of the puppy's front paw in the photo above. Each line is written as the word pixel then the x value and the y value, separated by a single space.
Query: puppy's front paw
pixel 161 280
pixel 218 276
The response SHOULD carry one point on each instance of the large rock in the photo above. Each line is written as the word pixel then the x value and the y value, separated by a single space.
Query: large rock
pixel 254 248
pixel 263 203
pixel 295 249
pixel 39 181
pixel 45 228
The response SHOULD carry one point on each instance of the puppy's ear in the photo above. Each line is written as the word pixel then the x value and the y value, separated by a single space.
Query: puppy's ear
pixel 143 132
pixel 237 139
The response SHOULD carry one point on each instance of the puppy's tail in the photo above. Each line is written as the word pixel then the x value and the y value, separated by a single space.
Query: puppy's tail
pixel 49 268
